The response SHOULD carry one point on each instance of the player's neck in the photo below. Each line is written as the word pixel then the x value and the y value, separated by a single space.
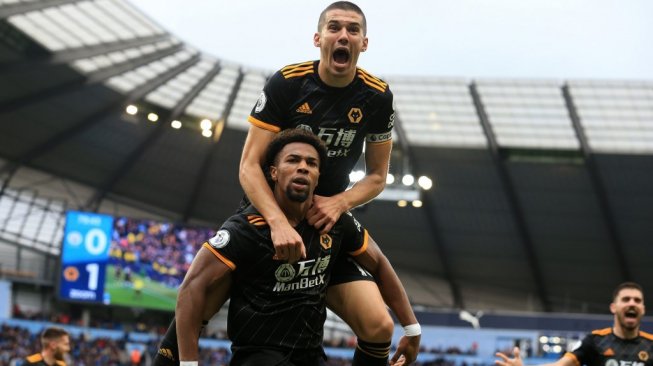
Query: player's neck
pixel 48 358
pixel 625 333
pixel 295 211
pixel 336 81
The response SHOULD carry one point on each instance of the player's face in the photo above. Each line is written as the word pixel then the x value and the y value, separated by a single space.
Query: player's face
pixel 341 40
pixel 297 170
pixel 61 347
pixel 628 308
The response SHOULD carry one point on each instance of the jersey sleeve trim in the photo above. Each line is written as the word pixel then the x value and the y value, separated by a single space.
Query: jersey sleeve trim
pixel 648 336
pixel 222 258
pixel 263 125
pixel 34 358
pixel 602 332
pixel 572 357
pixel 363 248
pixel 379 142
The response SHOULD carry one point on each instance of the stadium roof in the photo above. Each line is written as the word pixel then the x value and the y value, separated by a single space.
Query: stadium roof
pixel 541 196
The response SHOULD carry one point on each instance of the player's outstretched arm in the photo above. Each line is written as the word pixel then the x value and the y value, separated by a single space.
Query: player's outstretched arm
pixel 395 297
pixel 288 245
pixel 327 210
pixel 205 273
pixel 504 360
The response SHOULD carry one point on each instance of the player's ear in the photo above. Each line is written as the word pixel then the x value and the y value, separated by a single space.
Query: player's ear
pixel 316 39
pixel 273 173
pixel 613 308
pixel 365 40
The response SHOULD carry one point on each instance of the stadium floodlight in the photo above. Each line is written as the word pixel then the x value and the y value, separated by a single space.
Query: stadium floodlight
pixel 425 182
pixel 207 133
pixel 402 203
pixel 389 179
pixel 175 124
pixel 356 175
pixel 206 124
pixel 408 180
pixel 153 117
pixel 131 109
pixel 417 203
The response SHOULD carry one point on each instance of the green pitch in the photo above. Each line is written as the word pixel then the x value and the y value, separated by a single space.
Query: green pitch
pixel 152 295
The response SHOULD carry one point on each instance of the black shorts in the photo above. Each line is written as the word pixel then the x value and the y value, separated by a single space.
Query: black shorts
pixel 346 269
pixel 264 356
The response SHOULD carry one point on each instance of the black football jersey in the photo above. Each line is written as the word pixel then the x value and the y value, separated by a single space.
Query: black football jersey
pixel 603 348
pixel 37 360
pixel 344 118
pixel 274 303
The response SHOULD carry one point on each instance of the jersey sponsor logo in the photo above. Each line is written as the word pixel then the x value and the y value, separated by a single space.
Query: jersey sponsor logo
pixel 325 241
pixel 285 273
pixel 260 103
pixel 309 274
pixel 379 137
pixel 337 140
pixel 355 115
pixel 305 108
pixel 220 240
pixel 643 356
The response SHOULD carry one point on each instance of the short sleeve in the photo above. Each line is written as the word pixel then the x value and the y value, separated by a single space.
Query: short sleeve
pixel 383 120
pixel 270 110
pixel 583 353
pixel 355 236
pixel 229 245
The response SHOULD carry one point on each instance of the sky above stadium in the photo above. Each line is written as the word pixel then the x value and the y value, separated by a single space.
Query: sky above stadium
pixel 559 39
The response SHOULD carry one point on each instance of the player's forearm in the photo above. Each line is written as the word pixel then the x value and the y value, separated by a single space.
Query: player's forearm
pixel 364 190
pixel 393 292
pixel 259 193
pixel 188 312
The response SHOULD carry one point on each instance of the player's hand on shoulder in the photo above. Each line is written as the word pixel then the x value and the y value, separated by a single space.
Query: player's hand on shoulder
pixel 507 361
pixel 288 244
pixel 325 212
pixel 407 351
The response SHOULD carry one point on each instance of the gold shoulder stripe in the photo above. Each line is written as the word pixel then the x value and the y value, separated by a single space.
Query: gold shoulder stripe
pixel 372 83
pixel 572 357
pixel 222 258
pixel 648 336
pixel 373 80
pixel 34 358
pixel 297 70
pixel 60 363
pixel 293 66
pixel 602 332
pixel 372 77
pixel 297 74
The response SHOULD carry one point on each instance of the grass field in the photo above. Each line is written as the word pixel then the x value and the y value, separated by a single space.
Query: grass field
pixel 153 294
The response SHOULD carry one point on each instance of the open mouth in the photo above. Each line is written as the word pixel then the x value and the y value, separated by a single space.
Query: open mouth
pixel 300 182
pixel 631 314
pixel 341 55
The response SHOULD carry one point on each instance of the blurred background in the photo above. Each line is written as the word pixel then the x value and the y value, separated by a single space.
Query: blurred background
pixel 518 197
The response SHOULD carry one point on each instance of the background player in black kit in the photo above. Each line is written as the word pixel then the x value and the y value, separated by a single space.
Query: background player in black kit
pixel 277 309
pixel 623 344
pixel 55 344
pixel 347 108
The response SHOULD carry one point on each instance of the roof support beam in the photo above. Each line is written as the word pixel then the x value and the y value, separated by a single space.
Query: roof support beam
pixel 96 117
pixel 80 82
pixel 431 216
pixel 131 159
pixel 513 200
pixel 597 185
pixel 201 175
pixel 25 7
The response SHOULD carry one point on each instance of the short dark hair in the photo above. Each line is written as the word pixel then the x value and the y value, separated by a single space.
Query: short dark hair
pixel 289 136
pixel 342 5
pixel 52 333
pixel 624 285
